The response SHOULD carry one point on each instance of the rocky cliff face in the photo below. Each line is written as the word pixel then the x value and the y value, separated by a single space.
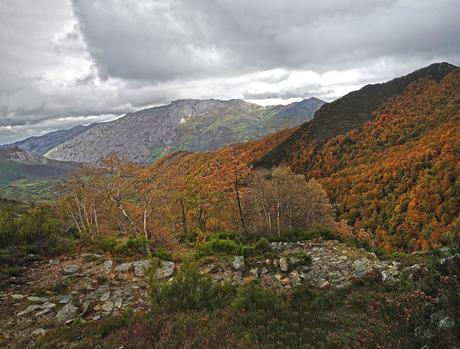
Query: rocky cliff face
pixel 145 135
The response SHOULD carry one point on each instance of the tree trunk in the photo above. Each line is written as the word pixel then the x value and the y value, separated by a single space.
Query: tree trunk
pixel 237 191
pixel 146 235
pixel 278 229
pixel 184 217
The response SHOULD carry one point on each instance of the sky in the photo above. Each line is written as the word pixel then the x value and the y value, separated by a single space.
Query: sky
pixel 70 62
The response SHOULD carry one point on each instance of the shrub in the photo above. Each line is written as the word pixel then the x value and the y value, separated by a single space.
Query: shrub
pixel 189 237
pixel 247 251
pixel 190 290
pixel 224 235
pixel 162 253
pixel 313 233
pixel 302 257
pixel 133 245
pixel 263 247
pixel 218 247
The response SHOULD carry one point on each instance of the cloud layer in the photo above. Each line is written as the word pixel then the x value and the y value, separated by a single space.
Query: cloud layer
pixel 65 63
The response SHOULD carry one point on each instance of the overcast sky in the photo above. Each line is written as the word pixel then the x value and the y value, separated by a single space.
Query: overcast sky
pixel 65 63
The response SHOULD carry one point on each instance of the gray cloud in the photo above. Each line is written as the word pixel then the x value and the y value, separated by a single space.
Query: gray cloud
pixel 64 61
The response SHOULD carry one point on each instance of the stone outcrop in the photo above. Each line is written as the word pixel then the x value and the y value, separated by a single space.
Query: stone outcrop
pixel 90 287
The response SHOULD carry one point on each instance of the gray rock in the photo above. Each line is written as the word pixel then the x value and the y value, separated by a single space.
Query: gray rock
pixel 85 307
pixel 294 260
pixel 254 272
pixel 89 257
pixel 165 270
pixel 65 299
pixel 39 300
pixel 70 269
pixel 42 312
pixel 67 312
pixel 118 302
pixel 361 267
pixel 295 277
pixel 390 274
pixel 105 297
pixel 107 306
pixel 29 309
pixel 446 323
pixel 437 316
pixel 17 296
pixel 238 262
pixel 47 305
pixel 140 267
pixel 38 331
pixel 107 266
pixel 124 267
pixel 284 264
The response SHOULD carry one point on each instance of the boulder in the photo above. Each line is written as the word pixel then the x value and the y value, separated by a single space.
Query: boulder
pixel 390 274
pixel 140 267
pixel 123 267
pixel 70 269
pixel 284 264
pixel 38 300
pixel 38 332
pixel 29 309
pixel 446 322
pixel 362 267
pixel 165 270
pixel 67 312
pixel 107 306
pixel 238 262
pixel 107 266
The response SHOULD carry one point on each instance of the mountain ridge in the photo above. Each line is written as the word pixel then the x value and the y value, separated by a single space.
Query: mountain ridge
pixel 348 112
pixel 187 124
pixel 42 144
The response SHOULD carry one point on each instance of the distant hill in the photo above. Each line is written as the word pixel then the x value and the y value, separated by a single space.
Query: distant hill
pixel 37 175
pixel 192 125
pixel 42 144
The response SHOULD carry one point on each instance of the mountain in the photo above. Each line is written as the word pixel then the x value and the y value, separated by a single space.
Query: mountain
pixel 387 155
pixel 24 175
pixel 192 125
pixel 42 144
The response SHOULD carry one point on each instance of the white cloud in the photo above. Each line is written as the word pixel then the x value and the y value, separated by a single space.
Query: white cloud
pixel 62 61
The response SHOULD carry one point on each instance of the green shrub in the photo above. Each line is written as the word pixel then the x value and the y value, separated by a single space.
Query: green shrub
pixel 8 272
pixel 302 257
pixel 189 237
pixel 132 245
pixel 263 247
pixel 218 247
pixel 224 235
pixel 190 290
pixel 313 233
pixel 162 253
pixel 247 251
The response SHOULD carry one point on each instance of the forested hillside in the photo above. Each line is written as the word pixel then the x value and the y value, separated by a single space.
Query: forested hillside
pixel 395 175
pixel 399 175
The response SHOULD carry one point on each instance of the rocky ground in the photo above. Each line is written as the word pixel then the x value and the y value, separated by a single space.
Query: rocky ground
pixel 333 264
pixel 86 287
pixel 89 287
